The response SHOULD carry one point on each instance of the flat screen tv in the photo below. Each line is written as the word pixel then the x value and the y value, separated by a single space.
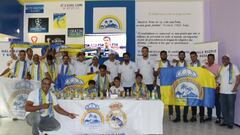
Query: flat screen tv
pixel 105 44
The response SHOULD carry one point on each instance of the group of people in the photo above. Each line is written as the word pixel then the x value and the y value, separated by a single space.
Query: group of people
pixel 131 78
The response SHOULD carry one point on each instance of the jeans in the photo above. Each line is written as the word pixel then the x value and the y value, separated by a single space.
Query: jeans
pixel 227 102
pixel 128 91
pixel 218 107
pixel 38 122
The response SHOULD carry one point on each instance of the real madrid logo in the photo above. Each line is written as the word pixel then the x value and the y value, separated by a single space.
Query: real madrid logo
pixel 116 118
pixel 18 98
pixel 92 117
pixel 187 88
pixel 109 22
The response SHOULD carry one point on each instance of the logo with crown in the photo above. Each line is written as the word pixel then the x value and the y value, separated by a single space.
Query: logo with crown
pixel 19 96
pixel 92 116
pixel 116 118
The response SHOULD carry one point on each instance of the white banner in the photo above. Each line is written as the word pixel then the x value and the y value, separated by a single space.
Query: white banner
pixel 54 22
pixel 13 94
pixel 115 117
pixel 168 23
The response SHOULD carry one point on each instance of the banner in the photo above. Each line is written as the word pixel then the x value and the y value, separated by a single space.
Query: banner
pixel 193 86
pixel 13 94
pixel 111 117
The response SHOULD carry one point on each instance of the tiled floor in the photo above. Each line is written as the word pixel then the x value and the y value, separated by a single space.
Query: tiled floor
pixel 9 127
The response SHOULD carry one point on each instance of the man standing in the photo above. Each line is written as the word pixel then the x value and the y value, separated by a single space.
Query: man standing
pixel 163 63
pixel 127 72
pixel 228 83
pixel 196 63
pixel 181 63
pixel 213 68
pixel 112 65
pixel 65 68
pixel 40 107
pixel 80 66
pixel 145 67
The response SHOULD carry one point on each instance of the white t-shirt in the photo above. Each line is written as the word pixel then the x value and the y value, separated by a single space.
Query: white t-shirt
pixel 164 65
pixel 80 68
pixel 21 68
pixel 34 97
pixel 71 69
pixel 44 70
pixel 92 69
pixel 115 90
pixel 225 87
pixel 127 73
pixel 146 68
pixel 195 64
pixel 112 67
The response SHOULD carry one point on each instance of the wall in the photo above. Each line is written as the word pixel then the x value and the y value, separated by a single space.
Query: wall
pixel 224 27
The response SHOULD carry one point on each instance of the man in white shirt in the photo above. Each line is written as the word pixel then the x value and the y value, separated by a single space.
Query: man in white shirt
pixel 181 63
pixel 20 67
pixel 80 66
pixel 112 65
pixel 37 70
pixel 228 82
pixel 127 72
pixel 145 67
pixel 93 68
pixel 163 63
pixel 40 107
pixel 66 68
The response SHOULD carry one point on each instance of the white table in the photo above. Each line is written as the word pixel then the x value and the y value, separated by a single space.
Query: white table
pixel 142 117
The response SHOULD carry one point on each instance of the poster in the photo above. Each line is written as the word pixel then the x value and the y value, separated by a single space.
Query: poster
pixel 59 20
pixel 38 25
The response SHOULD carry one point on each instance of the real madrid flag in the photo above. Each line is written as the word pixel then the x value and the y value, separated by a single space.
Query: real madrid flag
pixel 192 86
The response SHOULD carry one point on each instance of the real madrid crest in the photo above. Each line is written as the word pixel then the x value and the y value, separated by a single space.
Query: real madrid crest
pixel 116 118
pixel 92 117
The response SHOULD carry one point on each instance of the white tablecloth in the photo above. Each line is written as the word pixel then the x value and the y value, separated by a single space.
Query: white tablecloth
pixel 142 117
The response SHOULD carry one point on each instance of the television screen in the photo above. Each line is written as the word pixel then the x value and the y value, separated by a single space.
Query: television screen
pixel 105 44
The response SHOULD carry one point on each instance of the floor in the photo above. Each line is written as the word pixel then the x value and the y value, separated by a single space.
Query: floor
pixel 9 127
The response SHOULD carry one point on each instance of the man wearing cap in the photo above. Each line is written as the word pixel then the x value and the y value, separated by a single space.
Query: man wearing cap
pixel 228 79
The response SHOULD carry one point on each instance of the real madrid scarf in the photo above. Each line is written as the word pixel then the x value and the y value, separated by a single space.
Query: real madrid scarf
pixel 231 73
pixel 43 100
pixel 39 71
pixel 17 68
pixel 103 85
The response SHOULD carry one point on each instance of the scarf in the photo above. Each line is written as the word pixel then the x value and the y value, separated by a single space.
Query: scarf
pixel 43 100
pixel 231 73
pixel 52 71
pixel 17 68
pixel 39 71
pixel 102 85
